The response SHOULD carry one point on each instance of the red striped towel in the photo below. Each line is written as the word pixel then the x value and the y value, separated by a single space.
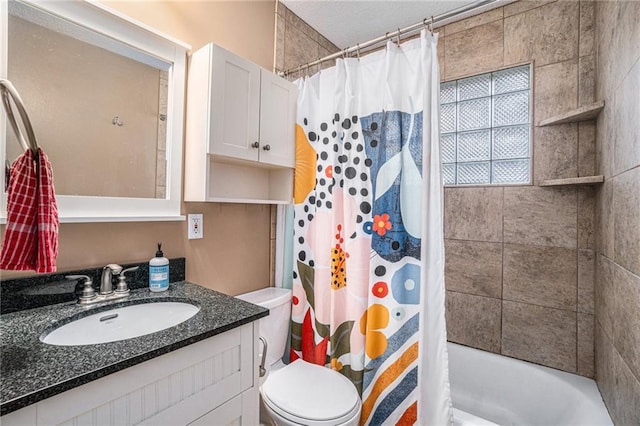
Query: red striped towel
pixel 31 235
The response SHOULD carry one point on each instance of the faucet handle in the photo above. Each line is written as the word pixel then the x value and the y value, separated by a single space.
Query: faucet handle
pixel 88 293
pixel 115 268
pixel 122 283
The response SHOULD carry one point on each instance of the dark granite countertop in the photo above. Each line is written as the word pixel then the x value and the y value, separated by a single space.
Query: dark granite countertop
pixel 32 371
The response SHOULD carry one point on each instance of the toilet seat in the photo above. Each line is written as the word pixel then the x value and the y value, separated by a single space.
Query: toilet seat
pixel 309 394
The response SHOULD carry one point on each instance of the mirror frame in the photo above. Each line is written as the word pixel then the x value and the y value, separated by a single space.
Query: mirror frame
pixel 113 24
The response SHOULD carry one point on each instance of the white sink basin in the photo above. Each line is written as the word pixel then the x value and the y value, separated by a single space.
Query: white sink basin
pixel 121 323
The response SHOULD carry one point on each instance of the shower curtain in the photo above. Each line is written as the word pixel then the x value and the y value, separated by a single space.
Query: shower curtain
pixel 368 279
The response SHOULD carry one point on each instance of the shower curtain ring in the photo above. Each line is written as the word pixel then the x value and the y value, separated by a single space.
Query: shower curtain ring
pixel 398 37
pixel 431 25
pixel 358 51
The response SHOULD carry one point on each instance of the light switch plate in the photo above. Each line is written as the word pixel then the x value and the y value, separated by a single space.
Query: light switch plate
pixel 194 222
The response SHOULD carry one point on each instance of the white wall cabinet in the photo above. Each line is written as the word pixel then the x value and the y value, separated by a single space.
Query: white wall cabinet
pixel 211 382
pixel 240 131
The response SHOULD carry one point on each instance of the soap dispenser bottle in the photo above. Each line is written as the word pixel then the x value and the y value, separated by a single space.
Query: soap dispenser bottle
pixel 159 271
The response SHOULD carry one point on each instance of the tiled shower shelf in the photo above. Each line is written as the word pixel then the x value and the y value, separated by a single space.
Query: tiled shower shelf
pixel 585 180
pixel 587 112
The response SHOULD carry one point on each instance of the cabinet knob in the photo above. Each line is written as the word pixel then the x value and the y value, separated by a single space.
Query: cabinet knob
pixel 255 145
pixel 267 147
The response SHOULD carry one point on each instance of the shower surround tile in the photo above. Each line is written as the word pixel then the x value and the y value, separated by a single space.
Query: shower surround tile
pixel 298 48
pixel 542 335
pixel 540 216
pixel 605 137
pixel 605 356
pixel 474 267
pixel 474 21
pixel 544 276
pixel 626 39
pixel 586 217
pixel 556 152
pixel 547 34
pixel 473 320
pixel 586 351
pixel 586 80
pixel 473 214
pixel 626 153
pixel 626 199
pixel 441 62
pixel 587 27
pixel 605 294
pixel 605 218
pixel 524 5
pixel 626 331
pixel 280 30
pixel 586 280
pixel 294 21
pixel 475 50
pixel 618 386
pixel 586 148
pixel 556 89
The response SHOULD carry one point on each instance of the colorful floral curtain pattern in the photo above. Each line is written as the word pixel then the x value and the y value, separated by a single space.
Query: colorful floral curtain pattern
pixel 358 226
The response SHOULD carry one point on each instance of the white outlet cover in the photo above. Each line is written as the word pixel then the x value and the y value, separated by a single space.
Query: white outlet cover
pixel 195 226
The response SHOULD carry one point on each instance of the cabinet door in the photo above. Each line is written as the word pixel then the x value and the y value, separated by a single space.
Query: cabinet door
pixel 235 105
pixel 241 410
pixel 277 120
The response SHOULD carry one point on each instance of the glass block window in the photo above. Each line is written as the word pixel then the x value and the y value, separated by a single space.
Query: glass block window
pixel 485 128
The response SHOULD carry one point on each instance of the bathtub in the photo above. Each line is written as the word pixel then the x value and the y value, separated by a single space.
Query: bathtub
pixel 489 389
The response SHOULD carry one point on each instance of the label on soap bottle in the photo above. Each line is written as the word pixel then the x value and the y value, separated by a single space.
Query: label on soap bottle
pixel 159 277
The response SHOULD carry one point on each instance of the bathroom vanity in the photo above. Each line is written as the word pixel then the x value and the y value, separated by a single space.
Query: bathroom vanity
pixel 201 371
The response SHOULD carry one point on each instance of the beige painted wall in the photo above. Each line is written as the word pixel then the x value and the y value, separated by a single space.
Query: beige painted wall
pixel 233 257
pixel 243 27
pixel 617 299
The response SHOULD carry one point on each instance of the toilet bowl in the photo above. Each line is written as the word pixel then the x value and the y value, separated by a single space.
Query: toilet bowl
pixel 300 393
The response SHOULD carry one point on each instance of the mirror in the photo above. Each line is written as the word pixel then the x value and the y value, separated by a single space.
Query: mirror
pixel 105 96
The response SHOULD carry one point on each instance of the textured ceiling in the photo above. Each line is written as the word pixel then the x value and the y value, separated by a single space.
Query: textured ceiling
pixel 347 23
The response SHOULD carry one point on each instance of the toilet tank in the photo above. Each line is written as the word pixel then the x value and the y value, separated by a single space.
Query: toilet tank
pixel 275 327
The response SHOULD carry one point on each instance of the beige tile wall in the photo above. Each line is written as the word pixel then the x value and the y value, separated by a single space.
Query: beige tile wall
pixel 617 292
pixel 297 43
pixel 520 259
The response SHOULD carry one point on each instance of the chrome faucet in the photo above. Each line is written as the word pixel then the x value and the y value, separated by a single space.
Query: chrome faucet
pixel 106 292
pixel 106 284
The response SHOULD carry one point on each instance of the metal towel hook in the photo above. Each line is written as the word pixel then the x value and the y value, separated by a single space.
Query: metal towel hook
pixel 8 90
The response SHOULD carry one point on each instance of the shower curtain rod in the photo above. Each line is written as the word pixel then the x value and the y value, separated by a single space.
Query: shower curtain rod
pixel 426 22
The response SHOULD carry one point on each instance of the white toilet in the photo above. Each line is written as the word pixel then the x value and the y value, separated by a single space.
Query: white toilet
pixel 300 393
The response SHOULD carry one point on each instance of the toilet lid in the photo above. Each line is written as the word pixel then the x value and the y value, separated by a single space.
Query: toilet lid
pixel 309 391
